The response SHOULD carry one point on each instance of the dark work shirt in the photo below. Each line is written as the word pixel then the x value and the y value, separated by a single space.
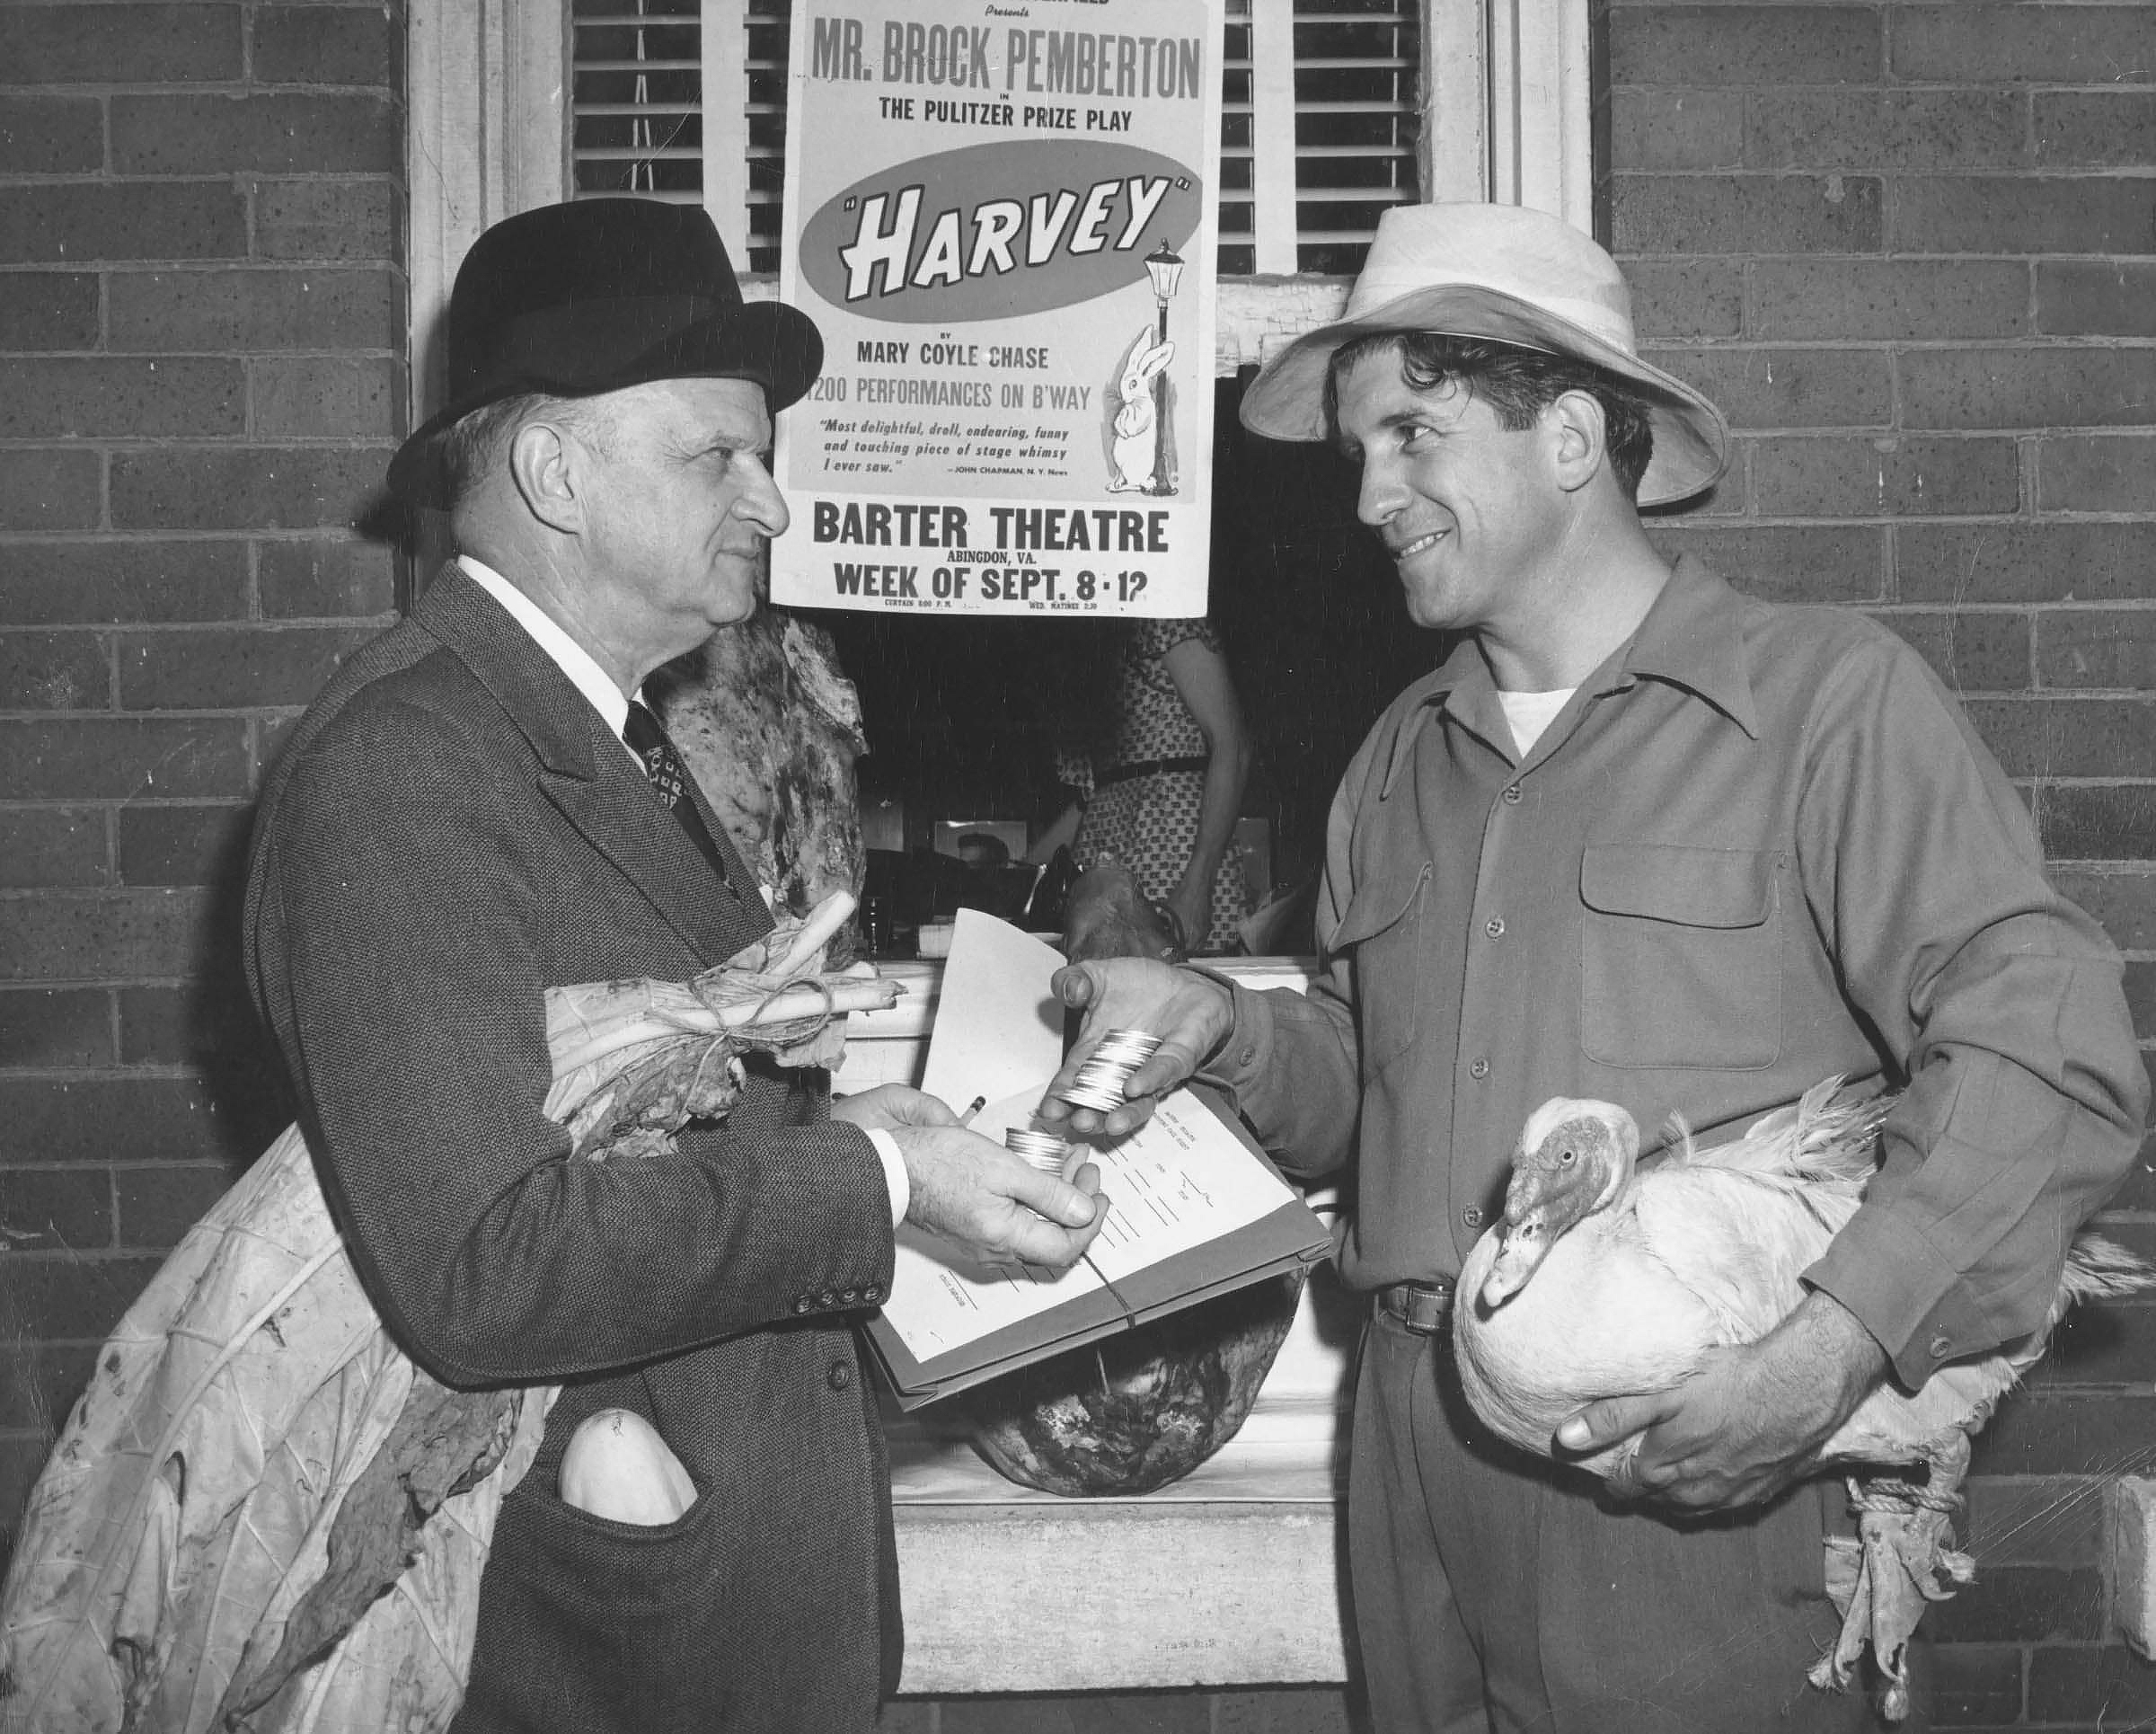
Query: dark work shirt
pixel 1760 845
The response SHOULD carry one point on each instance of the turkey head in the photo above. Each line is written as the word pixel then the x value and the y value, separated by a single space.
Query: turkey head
pixel 1574 1158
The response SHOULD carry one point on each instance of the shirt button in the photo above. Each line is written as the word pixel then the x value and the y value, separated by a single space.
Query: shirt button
pixel 1250 1057
pixel 828 1298
pixel 839 1375
pixel 1512 795
pixel 1478 1069
pixel 849 1295
pixel 801 1303
pixel 1471 1216
pixel 872 1294
pixel 1941 1349
pixel 1495 926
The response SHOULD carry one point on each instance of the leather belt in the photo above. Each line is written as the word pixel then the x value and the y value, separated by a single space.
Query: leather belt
pixel 1422 1307
pixel 1149 768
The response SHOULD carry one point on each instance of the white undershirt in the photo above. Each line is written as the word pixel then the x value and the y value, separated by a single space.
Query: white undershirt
pixel 594 682
pixel 1530 714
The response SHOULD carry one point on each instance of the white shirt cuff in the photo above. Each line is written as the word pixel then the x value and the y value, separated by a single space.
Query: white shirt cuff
pixel 893 1172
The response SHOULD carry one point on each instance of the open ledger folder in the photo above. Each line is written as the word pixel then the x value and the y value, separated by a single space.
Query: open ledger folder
pixel 1196 1207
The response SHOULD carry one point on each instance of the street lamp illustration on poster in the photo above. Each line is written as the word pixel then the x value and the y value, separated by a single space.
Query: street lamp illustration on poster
pixel 1145 450
pixel 1006 235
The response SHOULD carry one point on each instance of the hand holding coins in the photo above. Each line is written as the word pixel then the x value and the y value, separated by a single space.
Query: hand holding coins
pixel 1104 1074
pixel 965 1190
pixel 1186 1016
pixel 1042 1150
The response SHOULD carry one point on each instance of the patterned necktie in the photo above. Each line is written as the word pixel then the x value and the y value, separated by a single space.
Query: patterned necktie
pixel 669 778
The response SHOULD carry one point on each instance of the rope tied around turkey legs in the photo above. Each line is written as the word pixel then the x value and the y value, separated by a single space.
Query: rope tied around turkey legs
pixel 1902 1557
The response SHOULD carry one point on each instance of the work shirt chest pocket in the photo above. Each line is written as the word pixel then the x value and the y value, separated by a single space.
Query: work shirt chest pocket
pixel 1382 930
pixel 1680 956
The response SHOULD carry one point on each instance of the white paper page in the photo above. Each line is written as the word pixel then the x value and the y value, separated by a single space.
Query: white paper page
pixel 941 1301
pixel 998 1027
pixel 999 1034
pixel 1180 1180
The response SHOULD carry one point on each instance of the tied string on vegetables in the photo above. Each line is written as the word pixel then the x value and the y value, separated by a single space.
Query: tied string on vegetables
pixel 777 1022
pixel 660 1054
pixel 790 1040
pixel 785 1038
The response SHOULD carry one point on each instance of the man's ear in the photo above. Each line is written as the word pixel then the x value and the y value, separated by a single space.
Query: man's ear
pixel 548 466
pixel 1579 440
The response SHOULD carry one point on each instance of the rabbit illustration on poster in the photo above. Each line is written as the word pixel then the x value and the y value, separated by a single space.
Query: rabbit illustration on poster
pixel 1140 461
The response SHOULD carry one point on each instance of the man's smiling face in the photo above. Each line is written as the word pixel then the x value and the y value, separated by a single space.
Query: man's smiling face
pixel 1463 504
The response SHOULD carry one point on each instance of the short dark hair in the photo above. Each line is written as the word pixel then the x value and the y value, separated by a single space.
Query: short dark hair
pixel 1517 384
pixel 471 442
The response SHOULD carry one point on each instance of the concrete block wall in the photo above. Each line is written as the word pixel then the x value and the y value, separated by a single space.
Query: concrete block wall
pixel 1909 249
pixel 201 374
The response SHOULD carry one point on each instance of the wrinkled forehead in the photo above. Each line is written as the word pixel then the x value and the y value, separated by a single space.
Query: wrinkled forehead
pixel 704 411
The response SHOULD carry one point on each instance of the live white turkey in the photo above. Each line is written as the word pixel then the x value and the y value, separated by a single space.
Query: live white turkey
pixel 1607 1277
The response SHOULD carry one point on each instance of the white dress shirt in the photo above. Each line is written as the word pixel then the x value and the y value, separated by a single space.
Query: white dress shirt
pixel 607 699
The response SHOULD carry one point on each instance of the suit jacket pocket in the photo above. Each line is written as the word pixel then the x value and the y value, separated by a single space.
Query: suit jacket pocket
pixel 1680 956
pixel 1383 929
pixel 627 1570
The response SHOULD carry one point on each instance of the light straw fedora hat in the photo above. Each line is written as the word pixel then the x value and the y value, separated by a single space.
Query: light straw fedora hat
pixel 1518 277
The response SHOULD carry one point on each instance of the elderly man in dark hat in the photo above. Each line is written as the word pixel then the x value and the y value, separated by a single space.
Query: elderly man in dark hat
pixel 479 808
pixel 1642 838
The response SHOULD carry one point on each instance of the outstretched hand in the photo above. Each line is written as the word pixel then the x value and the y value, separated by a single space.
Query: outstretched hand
pixel 1191 1013
pixel 1749 1423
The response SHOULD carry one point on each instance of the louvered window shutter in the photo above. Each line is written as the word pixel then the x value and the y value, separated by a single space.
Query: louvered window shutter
pixel 1320 119
pixel 686 100
pixel 636 98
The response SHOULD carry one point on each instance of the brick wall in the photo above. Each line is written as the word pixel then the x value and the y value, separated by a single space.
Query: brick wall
pixel 1911 249
pixel 201 372
pixel 1908 249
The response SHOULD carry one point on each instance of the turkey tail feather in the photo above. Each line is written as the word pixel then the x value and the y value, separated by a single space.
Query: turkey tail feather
pixel 2102 1269
pixel 1838 1140
pixel 1827 1137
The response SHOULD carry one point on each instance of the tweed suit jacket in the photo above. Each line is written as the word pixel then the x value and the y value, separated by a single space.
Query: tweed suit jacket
pixel 451 830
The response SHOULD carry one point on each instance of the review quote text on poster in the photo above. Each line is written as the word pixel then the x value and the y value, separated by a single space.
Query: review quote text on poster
pixel 1004 224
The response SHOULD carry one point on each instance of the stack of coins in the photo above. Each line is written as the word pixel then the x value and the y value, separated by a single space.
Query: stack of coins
pixel 1044 1150
pixel 1100 1080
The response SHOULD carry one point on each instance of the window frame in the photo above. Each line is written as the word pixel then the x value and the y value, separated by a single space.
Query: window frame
pixel 1506 83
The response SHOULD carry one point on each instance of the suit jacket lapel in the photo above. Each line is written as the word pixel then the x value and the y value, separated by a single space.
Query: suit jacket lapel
pixel 589 777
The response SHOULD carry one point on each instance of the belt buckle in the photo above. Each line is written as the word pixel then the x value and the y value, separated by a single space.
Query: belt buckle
pixel 1422 1307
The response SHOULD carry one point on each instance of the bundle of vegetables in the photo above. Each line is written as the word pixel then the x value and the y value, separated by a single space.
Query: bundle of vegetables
pixel 262 1515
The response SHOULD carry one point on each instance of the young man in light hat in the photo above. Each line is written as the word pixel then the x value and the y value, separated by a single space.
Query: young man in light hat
pixel 461 822
pixel 1641 838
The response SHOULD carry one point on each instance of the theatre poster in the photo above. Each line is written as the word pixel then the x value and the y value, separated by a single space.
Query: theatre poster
pixel 1002 217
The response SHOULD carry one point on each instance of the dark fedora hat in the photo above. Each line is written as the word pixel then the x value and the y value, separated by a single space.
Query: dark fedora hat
pixel 600 293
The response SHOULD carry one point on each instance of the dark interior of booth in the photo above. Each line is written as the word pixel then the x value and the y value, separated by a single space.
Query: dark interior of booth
pixel 964 716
